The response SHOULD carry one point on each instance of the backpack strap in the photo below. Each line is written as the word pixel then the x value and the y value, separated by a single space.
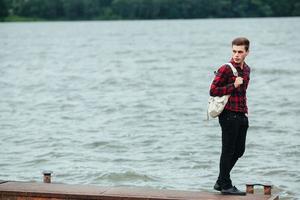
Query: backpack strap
pixel 234 71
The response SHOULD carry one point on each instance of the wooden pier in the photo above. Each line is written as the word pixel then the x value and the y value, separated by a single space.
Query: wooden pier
pixel 10 190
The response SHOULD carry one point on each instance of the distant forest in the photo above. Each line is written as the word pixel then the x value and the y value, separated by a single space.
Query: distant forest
pixel 15 10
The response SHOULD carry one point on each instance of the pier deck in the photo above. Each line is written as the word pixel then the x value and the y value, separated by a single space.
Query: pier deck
pixel 10 190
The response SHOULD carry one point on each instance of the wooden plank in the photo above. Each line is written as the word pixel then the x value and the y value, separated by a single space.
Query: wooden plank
pixel 53 191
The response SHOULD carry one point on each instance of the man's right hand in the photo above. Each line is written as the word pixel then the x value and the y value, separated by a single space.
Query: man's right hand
pixel 238 81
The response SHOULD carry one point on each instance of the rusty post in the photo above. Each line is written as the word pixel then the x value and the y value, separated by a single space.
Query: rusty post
pixel 267 189
pixel 47 176
pixel 250 188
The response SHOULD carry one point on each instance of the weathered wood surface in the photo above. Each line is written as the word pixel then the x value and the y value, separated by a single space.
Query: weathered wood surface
pixel 45 191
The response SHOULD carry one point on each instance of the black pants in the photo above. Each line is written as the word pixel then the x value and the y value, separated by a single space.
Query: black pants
pixel 234 127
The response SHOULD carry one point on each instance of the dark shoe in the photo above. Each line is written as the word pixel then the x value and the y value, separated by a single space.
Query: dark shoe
pixel 233 191
pixel 217 187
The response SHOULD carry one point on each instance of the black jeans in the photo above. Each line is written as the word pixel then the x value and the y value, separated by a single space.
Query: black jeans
pixel 234 127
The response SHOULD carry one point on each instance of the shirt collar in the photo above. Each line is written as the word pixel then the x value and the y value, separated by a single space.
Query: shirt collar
pixel 237 64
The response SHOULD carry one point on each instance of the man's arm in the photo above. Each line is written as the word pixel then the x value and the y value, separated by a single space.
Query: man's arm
pixel 219 87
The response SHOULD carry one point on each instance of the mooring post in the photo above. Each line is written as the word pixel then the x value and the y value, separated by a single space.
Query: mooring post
pixel 250 188
pixel 267 189
pixel 47 176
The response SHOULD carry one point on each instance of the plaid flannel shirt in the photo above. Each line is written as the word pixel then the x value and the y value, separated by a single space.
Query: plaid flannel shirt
pixel 223 84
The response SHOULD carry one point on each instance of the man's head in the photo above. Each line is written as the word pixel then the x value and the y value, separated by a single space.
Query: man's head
pixel 240 49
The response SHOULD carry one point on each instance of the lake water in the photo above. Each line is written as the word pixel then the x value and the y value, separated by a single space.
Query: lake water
pixel 123 103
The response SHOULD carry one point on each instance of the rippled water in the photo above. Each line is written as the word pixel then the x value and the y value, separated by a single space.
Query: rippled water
pixel 123 102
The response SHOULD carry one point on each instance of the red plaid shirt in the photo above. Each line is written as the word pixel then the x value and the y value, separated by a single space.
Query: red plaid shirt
pixel 223 84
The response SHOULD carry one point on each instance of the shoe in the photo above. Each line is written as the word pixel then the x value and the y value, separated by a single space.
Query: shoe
pixel 233 191
pixel 217 187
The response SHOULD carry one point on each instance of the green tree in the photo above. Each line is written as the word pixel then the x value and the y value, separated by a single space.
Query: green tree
pixel 296 9
pixel 3 9
pixel 281 8
pixel 42 9
pixel 74 9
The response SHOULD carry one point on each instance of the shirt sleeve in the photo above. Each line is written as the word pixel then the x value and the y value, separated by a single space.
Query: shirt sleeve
pixel 219 86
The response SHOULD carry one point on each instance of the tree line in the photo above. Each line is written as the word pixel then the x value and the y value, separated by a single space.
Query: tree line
pixel 146 9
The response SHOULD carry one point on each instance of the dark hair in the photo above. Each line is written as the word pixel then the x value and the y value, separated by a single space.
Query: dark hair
pixel 241 41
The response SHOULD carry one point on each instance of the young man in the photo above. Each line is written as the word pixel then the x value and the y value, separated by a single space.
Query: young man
pixel 233 120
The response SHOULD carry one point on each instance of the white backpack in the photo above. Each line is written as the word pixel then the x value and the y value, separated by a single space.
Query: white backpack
pixel 216 104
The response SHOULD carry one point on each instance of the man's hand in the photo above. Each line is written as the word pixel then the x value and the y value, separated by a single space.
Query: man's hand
pixel 238 81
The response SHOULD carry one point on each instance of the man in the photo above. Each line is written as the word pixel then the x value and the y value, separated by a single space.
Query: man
pixel 233 120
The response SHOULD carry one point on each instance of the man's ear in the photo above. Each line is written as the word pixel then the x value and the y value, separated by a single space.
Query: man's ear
pixel 247 52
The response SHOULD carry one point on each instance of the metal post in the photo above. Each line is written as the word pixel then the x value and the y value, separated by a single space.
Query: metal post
pixel 267 189
pixel 249 188
pixel 47 176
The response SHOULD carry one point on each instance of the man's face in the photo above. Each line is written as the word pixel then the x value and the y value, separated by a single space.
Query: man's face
pixel 239 53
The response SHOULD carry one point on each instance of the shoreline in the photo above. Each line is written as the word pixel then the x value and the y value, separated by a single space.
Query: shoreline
pixel 29 19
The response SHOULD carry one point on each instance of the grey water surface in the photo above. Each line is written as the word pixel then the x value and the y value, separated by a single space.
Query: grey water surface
pixel 123 103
